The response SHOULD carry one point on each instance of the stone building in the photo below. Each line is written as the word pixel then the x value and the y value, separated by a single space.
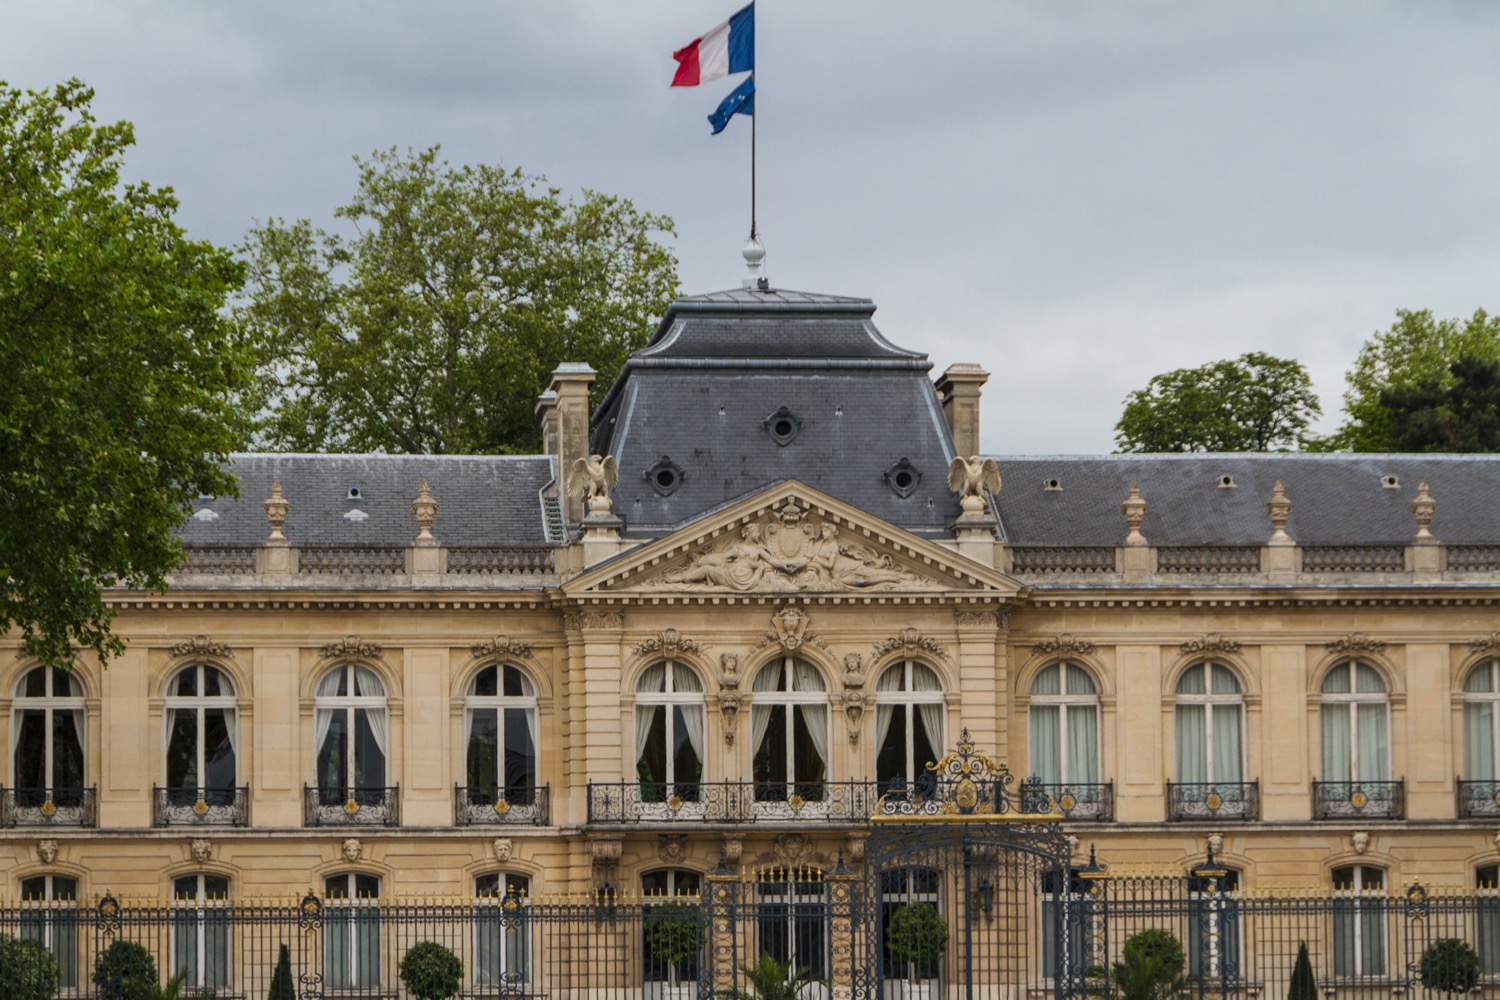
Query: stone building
pixel 439 674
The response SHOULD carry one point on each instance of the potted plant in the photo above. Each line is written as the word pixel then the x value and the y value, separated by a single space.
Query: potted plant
pixel 1152 966
pixel 674 935
pixel 431 972
pixel 1449 965
pixel 126 971
pixel 769 979
pixel 915 938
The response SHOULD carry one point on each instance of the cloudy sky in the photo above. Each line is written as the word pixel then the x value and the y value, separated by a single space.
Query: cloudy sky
pixel 1077 195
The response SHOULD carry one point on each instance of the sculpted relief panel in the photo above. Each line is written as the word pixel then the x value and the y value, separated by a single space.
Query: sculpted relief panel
pixel 792 552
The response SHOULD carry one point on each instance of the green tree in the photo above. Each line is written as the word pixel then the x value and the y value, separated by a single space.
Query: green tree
pixel 434 328
pixel 1415 350
pixel 1255 402
pixel 1449 965
pixel 1460 416
pixel 431 971
pixel 115 408
pixel 1151 966
pixel 281 979
pixel 28 971
pixel 1303 985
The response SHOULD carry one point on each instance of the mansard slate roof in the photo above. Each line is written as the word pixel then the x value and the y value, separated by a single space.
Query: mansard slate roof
pixel 1336 498
pixel 482 500
pixel 700 392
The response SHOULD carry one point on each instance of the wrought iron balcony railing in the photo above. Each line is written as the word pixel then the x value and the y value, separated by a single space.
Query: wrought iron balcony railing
pixel 1359 799
pixel 200 806
pixel 1190 800
pixel 525 805
pixel 1078 801
pixel 369 806
pixel 48 807
pixel 1478 798
pixel 732 802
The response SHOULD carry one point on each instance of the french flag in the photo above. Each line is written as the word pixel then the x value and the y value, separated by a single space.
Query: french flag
pixel 724 49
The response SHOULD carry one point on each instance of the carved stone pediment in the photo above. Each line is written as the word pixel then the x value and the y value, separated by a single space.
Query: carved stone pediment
pixel 501 645
pixel 200 645
pixel 1064 643
pixel 791 539
pixel 351 645
pixel 1355 642
pixel 789 630
pixel 1210 643
pixel 1486 644
pixel 669 644
pixel 911 641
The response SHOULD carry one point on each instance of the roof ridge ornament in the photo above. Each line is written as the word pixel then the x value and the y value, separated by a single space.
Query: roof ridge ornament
pixel 1423 507
pixel 277 507
pixel 1133 507
pixel 755 256
pixel 1279 509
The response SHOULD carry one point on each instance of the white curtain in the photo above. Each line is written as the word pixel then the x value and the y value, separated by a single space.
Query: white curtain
pixel 328 687
pixel 685 680
pixel 531 731
pixel 1335 727
pixel 806 677
pixel 1479 741
pixel 923 679
pixel 1046 747
pixel 653 679
pixel 1083 744
pixel 231 719
pixel 692 725
pixel 815 717
pixel 1374 764
pixel 1192 749
pixel 760 715
pixel 885 713
pixel 1227 751
pixel 644 716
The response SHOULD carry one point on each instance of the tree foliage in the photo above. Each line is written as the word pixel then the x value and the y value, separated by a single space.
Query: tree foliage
pixel 1151 966
pixel 115 407
pixel 28 971
pixel 1417 349
pixel 1255 402
pixel 1303 985
pixel 1461 416
pixel 435 327
pixel 282 987
pixel 431 971
pixel 1449 965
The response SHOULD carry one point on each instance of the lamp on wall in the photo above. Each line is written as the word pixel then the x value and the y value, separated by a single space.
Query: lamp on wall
pixel 984 895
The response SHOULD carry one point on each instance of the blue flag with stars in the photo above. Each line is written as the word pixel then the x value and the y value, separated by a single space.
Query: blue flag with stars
pixel 741 101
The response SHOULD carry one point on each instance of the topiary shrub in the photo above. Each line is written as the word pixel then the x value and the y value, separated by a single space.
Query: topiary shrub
pixel 674 932
pixel 917 934
pixel 281 979
pixel 1152 966
pixel 1449 966
pixel 431 972
pixel 1304 986
pixel 126 971
pixel 27 970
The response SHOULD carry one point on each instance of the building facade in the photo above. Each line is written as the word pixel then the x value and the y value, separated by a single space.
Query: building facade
pixel 378 676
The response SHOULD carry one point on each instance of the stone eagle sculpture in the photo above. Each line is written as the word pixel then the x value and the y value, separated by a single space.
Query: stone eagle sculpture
pixel 592 478
pixel 971 478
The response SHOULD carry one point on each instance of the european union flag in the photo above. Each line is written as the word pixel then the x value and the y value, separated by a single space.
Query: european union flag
pixel 741 101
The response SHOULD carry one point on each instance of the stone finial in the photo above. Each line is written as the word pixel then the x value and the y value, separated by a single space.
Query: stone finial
pixel 1134 509
pixel 424 508
pixel 1279 509
pixel 276 508
pixel 1422 508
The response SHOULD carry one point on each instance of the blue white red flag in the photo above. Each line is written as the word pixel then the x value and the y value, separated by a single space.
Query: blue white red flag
pixel 723 49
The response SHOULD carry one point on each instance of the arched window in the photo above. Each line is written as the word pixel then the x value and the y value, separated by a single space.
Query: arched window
pixel 789 730
pixel 502 945
pixel 202 737
pixel 1481 721
pixel 352 736
pixel 351 930
pixel 500 734
pixel 200 930
pixel 1359 921
pixel 908 723
pixel 1355 725
pixel 669 724
pixel 1210 725
pixel 47 719
pixel 1064 726
pixel 49 916
pixel 673 932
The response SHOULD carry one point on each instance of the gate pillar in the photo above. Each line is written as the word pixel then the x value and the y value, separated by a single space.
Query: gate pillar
pixel 721 899
pixel 840 884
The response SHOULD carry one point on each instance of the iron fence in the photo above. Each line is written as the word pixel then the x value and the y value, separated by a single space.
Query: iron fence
pixel 45 807
pixel 1478 798
pixel 911 933
pixel 1359 799
pixel 732 802
pixel 1197 800
pixel 1094 802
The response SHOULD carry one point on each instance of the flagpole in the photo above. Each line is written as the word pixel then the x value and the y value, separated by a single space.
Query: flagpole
pixel 752 162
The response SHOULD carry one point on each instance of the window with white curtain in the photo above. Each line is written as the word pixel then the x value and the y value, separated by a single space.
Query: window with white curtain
pixel 789 730
pixel 908 723
pixel 201 736
pixel 1481 721
pixel 1355 724
pixel 351 930
pixel 1359 910
pixel 1063 718
pixel 669 732
pixel 47 718
pixel 500 735
pixel 351 732
pixel 670 896
pixel 1210 715
pixel 502 943
pixel 200 930
pixel 49 916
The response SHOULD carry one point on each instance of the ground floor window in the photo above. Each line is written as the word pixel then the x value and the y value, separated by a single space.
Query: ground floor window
pixel 1359 921
pixel 672 928
pixel 502 940
pixel 1064 932
pixel 909 911
pixel 49 916
pixel 792 922
pixel 1213 930
pixel 200 930
pixel 351 930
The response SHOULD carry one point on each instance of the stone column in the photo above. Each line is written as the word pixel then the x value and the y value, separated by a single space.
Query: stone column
pixel 842 887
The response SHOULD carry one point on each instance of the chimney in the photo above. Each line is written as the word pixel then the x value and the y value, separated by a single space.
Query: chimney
pixel 960 386
pixel 564 413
